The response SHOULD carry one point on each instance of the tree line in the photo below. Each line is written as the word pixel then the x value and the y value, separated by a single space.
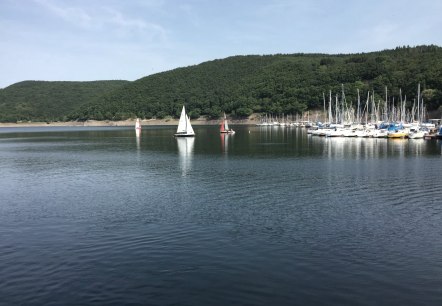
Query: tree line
pixel 50 101
pixel 276 84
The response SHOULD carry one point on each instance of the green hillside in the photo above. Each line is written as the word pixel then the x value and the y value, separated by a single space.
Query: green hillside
pixel 49 101
pixel 238 85
pixel 280 83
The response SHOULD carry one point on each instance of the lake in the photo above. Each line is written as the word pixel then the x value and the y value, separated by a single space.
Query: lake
pixel 268 216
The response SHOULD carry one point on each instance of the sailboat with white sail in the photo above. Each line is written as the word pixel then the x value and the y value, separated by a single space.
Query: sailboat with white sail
pixel 184 127
pixel 138 124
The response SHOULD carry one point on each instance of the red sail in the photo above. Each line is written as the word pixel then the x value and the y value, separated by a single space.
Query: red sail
pixel 222 127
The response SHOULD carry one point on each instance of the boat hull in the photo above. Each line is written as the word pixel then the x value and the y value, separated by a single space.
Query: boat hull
pixel 397 135
pixel 416 135
pixel 184 135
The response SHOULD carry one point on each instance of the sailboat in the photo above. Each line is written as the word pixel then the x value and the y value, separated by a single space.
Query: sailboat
pixel 224 127
pixel 184 127
pixel 138 124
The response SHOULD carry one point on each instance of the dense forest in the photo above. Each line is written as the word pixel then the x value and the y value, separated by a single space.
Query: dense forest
pixel 242 85
pixel 49 101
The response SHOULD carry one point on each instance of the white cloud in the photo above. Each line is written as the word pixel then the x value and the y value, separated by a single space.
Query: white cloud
pixel 77 16
pixel 108 19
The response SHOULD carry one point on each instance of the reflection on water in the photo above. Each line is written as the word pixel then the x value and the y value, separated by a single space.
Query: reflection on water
pixel 286 142
pixel 185 150
pixel 370 148
pixel 276 132
pixel 286 219
pixel 138 138
pixel 225 139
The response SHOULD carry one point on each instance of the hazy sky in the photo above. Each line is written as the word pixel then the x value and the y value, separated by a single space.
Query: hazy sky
pixel 83 40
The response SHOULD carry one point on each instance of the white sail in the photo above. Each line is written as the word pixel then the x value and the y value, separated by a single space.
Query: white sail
pixel 138 124
pixel 189 128
pixel 226 125
pixel 184 126
pixel 183 122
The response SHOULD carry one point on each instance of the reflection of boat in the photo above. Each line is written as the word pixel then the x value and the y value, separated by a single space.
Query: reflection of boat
pixel 137 135
pixel 184 127
pixel 185 146
pixel 138 124
pixel 224 142
pixel 185 150
pixel 224 128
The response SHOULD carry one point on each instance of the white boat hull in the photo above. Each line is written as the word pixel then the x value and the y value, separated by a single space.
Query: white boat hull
pixel 184 135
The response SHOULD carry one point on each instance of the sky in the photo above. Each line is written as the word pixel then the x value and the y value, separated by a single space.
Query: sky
pixel 85 40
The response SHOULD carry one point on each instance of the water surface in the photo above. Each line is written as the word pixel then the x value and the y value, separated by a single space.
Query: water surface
pixel 268 216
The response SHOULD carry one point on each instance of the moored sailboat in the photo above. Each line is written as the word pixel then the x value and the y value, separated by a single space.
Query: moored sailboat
pixel 417 133
pixel 397 131
pixel 184 127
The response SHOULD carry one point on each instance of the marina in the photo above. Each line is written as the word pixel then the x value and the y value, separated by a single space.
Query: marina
pixel 384 119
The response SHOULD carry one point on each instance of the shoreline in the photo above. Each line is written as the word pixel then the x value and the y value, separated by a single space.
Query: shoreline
pixel 130 122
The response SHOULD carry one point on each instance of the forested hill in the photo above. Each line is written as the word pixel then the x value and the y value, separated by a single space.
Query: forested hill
pixel 49 101
pixel 238 85
pixel 275 84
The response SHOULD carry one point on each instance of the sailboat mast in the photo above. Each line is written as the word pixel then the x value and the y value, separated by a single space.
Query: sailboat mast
pixel 330 115
pixel 343 105
pixel 386 105
pixel 418 103
pixel 337 115
pixel 358 119
pixel 366 107
pixel 325 114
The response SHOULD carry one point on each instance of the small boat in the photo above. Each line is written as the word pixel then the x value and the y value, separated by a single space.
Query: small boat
pixel 379 133
pixel 184 127
pixel 337 132
pixel 397 134
pixel 224 127
pixel 138 124
pixel 361 133
pixel 396 131
pixel 348 132
pixel 418 133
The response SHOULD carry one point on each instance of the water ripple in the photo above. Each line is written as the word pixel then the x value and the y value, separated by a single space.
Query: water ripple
pixel 100 219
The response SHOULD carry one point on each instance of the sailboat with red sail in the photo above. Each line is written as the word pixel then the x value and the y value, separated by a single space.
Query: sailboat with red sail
pixel 224 127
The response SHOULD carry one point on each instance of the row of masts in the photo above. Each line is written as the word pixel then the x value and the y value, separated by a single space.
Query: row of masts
pixel 372 112
pixel 338 112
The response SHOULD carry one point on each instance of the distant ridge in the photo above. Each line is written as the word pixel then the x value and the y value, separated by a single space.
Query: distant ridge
pixel 49 101
pixel 237 85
